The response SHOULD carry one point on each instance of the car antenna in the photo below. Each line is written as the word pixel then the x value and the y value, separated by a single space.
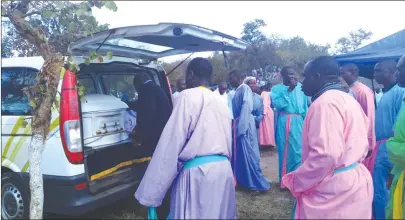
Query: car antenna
pixel 179 64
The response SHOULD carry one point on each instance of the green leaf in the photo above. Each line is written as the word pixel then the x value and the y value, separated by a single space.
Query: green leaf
pixel 93 55
pixel 111 5
pixel 74 67
pixel 109 55
pixel 80 92
pixel 82 99
pixel 72 27
pixel 62 73
pixel 87 62
pixel 49 14
pixel 70 59
pixel 33 104
pixel 79 12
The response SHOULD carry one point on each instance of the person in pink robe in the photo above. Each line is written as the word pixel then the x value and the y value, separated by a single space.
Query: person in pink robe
pixel 266 129
pixel 365 96
pixel 331 183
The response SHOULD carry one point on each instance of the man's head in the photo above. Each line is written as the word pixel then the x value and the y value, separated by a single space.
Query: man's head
pixel 173 87
pixel 235 78
pixel 318 72
pixel 199 71
pixel 344 84
pixel 384 72
pixel 222 87
pixel 401 71
pixel 180 84
pixel 140 79
pixel 349 72
pixel 289 76
pixel 251 82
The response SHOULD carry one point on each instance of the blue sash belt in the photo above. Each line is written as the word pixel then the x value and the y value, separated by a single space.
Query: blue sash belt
pixel 336 171
pixel 196 161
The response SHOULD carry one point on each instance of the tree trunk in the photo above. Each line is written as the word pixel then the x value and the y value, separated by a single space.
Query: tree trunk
pixel 36 183
pixel 40 128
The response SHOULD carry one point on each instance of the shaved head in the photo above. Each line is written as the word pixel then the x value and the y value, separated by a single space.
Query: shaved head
pixel 235 78
pixel 350 73
pixel 318 72
pixel 401 72
pixel 384 72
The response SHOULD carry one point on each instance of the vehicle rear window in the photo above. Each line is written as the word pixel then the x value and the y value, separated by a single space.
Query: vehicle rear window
pixel 88 83
pixel 13 80
pixel 120 86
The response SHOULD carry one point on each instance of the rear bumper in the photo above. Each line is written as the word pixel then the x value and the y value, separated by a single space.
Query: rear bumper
pixel 62 197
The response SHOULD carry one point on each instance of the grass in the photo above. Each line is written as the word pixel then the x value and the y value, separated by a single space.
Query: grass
pixel 275 204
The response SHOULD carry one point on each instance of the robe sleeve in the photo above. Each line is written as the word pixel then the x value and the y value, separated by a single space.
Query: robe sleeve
pixel 246 111
pixel 396 144
pixel 163 168
pixel 260 111
pixel 280 98
pixel 326 142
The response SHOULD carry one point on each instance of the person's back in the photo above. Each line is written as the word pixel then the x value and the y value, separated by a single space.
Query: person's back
pixel 153 112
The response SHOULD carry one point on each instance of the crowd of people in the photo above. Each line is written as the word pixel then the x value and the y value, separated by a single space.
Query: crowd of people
pixel 339 154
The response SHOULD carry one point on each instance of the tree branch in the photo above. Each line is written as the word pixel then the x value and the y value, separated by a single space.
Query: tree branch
pixel 32 35
pixel 31 13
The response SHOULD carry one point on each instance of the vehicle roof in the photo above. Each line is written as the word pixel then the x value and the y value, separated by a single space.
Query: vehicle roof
pixel 32 62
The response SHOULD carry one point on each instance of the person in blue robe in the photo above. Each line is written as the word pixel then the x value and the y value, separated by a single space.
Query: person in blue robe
pixel 385 118
pixel 292 105
pixel 246 155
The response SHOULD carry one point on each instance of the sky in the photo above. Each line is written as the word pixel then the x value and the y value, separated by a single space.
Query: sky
pixel 319 22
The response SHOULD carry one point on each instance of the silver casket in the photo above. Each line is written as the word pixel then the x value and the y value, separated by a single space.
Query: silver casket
pixel 103 120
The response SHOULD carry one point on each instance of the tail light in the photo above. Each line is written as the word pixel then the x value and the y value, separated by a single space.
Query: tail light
pixel 69 122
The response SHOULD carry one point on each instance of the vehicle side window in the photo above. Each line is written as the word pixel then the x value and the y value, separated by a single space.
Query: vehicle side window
pixel 13 80
pixel 88 83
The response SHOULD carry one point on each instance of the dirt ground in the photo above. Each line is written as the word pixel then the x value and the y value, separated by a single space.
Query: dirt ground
pixel 275 204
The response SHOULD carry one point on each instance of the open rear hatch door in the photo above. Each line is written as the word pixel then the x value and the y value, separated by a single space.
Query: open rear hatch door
pixel 121 162
pixel 156 41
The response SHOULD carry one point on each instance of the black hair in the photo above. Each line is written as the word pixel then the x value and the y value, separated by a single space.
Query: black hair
pixel 201 68
pixel 389 64
pixel 284 69
pixel 325 65
pixel 140 78
pixel 352 68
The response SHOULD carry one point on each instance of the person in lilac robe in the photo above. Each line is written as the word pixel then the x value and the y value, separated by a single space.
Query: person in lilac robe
pixel 246 156
pixel 193 155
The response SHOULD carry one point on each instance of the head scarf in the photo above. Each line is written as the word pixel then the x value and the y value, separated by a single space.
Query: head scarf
pixel 248 79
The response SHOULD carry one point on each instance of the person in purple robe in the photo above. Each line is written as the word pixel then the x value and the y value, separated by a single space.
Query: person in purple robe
pixel 246 154
pixel 193 155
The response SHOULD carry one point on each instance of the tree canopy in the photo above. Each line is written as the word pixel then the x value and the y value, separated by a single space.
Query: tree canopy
pixel 60 22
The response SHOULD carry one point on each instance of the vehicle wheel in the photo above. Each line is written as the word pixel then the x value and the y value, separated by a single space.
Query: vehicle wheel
pixel 14 198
